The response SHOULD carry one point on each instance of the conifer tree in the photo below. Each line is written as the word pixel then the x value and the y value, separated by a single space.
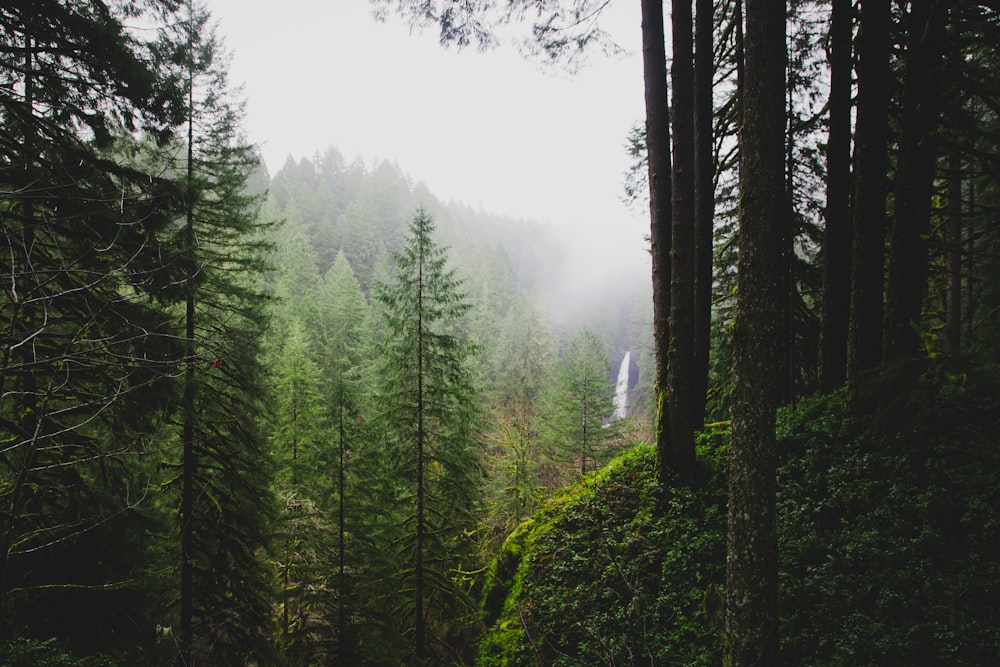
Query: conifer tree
pixel 581 404
pixel 226 507
pixel 82 346
pixel 429 410
pixel 752 547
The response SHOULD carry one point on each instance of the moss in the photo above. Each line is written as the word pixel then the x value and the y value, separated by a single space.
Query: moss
pixel 888 531
pixel 584 578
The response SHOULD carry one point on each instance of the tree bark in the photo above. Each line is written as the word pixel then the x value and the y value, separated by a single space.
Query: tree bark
pixel 654 65
pixel 188 455
pixel 870 182
pixel 953 256
pixel 752 553
pixel 837 234
pixel 681 367
pixel 906 286
pixel 704 200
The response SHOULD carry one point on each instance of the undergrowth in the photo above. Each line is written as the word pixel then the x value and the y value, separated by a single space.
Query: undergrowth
pixel 888 532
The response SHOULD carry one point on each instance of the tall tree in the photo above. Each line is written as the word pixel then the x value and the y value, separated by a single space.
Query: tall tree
pixel 225 474
pixel 429 409
pixel 82 346
pixel 704 199
pixel 752 552
pixel 837 232
pixel 681 371
pixel 906 284
pixel 654 67
pixel 871 166
pixel 346 350
pixel 582 403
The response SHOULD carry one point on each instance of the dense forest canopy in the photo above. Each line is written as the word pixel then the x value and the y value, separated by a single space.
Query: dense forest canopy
pixel 317 415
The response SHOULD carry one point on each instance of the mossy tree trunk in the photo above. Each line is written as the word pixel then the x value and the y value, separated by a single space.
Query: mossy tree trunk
pixel 752 554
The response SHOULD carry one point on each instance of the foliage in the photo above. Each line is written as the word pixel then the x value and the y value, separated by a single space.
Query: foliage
pixel 889 527
pixel 613 571
pixel 45 653
pixel 428 410
pixel 887 533
pixel 579 407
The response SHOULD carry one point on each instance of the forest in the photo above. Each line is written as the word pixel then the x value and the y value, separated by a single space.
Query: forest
pixel 319 416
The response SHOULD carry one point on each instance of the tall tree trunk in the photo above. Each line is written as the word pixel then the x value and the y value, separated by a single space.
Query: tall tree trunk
pixel 786 361
pixel 681 367
pixel 188 461
pixel 704 200
pixel 871 164
pixel 970 249
pixel 654 66
pixel 953 256
pixel 23 356
pixel 752 553
pixel 837 233
pixel 420 628
pixel 342 645
pixel 907 274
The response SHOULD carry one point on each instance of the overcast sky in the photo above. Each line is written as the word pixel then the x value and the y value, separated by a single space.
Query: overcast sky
pixel 493 130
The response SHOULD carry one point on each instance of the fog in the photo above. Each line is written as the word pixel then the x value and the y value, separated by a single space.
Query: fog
pixel 495 130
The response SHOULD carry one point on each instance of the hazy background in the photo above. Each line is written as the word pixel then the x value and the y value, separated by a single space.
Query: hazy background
pixel 494 130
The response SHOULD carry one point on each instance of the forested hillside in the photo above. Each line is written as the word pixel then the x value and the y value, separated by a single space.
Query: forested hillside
pixel 317 416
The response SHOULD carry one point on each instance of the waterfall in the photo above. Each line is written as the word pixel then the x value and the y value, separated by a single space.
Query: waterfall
pixel 621 389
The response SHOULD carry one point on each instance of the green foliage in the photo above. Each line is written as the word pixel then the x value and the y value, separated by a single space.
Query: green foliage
pixel 613 571
pixel 428 409
pixel 890 539
pixel 46 653
pixel 889 542
pixel 580 404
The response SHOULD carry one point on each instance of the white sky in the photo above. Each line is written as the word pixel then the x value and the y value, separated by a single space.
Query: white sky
pixel 492 130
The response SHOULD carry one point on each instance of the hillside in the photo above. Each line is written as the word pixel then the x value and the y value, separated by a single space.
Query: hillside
pixel 889 541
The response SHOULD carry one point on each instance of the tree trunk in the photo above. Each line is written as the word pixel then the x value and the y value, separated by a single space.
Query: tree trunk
pixel 752 553
pixel 681 368
pixel 188 461
pixel 837 234
pixel 953 256
pixel 870 182
pixel 907 280
pixel 420 628
pixel 654 65
pixel 970 250
pixel 343 652
pixel 704 200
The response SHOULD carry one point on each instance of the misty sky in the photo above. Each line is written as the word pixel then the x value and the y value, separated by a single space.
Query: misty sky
pixel 493 130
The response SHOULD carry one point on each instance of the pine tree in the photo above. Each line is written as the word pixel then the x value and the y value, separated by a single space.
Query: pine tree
pixel 84 347
pixel 581 404
pixel 752 550
pixel 218 248
pixel 429 412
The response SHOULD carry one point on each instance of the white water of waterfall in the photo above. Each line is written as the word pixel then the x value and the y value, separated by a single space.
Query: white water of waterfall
pixel 621 389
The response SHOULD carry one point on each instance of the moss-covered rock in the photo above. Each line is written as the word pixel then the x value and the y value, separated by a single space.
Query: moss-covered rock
pixel 613 571
pixel 888 531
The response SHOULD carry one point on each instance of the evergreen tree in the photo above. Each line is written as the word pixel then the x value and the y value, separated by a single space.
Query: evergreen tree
pixel 581 404
pixel 429 412
pixel 84 348
pixel 681 382
pixel 226 508
pixel 752 551
pixel 346 359
pixel 519 469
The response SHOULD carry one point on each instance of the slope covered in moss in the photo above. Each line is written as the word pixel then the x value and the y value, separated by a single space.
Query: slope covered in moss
pixel 888 532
